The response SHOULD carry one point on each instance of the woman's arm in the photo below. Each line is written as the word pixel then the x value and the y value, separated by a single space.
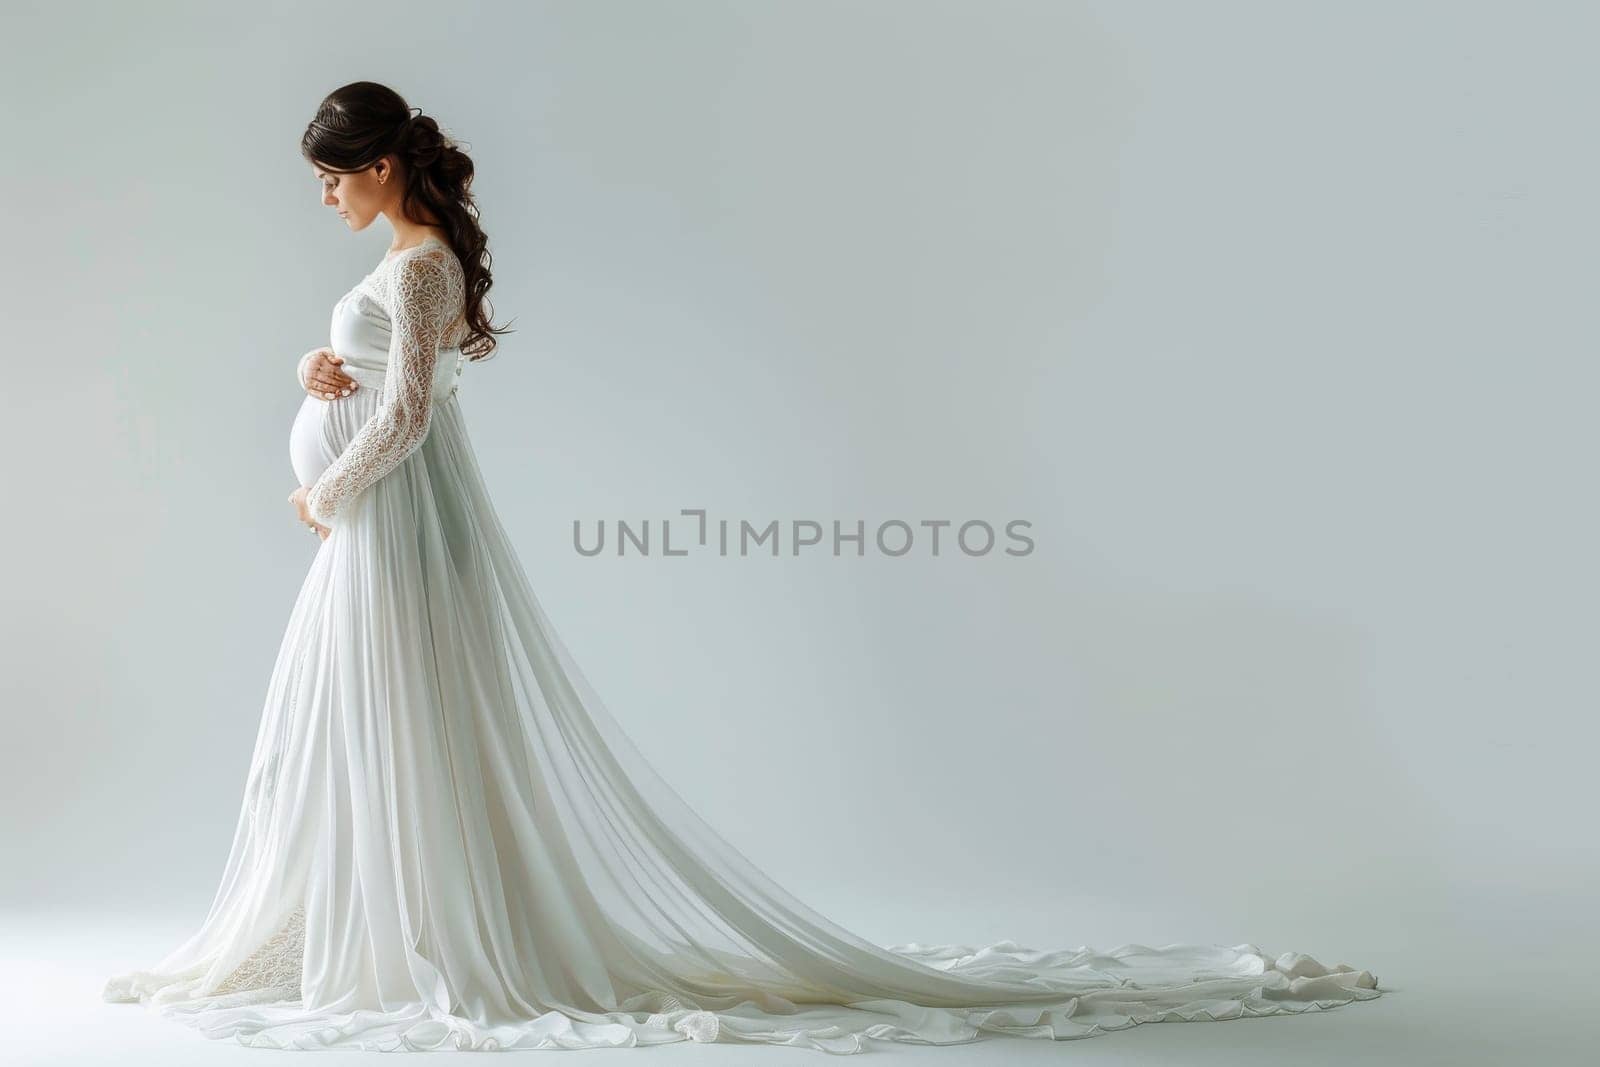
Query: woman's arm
pixel 425 291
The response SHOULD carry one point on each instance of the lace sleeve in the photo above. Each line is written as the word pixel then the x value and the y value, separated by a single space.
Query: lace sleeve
pixel 424 297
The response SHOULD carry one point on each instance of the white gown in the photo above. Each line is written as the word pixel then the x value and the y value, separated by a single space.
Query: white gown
pixel 446 841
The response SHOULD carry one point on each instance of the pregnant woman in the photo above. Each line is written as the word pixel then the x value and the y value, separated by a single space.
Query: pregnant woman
pixel 446 841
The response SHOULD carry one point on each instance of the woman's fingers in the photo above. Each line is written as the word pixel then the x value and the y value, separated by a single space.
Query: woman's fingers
pixel 330 387
pixel 324 383
pixel 327 367
pixel 324 378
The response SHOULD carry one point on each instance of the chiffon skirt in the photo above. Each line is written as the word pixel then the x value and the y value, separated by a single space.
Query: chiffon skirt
pixel 446 841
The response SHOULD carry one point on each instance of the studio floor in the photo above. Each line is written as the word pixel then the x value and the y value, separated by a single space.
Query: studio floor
pixel 1443 1008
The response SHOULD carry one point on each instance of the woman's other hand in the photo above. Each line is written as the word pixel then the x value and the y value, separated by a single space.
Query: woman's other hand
pixel 322 376
pixel 298 499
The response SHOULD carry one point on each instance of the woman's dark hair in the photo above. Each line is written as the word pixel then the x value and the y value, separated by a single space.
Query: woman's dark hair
pixel 360 123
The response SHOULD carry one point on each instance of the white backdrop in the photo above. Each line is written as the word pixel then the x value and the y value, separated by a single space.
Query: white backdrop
pixel 1272 319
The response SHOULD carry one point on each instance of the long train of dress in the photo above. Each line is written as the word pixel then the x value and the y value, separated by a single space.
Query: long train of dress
pixel 446 841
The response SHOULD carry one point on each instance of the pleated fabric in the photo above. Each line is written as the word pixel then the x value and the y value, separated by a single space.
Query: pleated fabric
pixel 446 841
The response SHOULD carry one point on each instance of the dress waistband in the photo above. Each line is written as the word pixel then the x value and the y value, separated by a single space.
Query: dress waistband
pixel 446 378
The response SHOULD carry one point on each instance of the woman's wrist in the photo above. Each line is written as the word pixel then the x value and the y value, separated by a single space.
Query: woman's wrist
pixel 316 512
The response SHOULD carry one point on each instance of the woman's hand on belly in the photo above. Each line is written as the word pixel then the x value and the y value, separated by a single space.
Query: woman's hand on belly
pixel 298 499
pixel 324 379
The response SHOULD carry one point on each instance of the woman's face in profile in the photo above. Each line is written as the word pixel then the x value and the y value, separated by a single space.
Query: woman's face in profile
pixel 357 197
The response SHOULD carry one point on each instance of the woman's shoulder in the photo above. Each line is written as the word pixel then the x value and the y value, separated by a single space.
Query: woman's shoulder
pixel 426 279
pixel 433 246
pixel 432 256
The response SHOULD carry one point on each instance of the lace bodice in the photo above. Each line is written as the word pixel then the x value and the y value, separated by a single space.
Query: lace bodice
pixel 422 290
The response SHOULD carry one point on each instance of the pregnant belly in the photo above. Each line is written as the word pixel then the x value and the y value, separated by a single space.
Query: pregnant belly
pixel 322 429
